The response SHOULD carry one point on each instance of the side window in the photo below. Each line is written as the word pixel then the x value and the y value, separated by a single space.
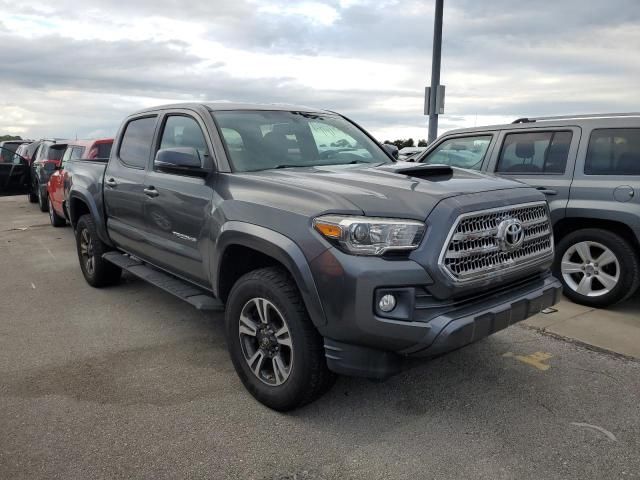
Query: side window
pixel 76 153
pixel 136 142
pixel 535 152
pixel 463 152
pixel 66 156
pixel 613 151
pixel 181 131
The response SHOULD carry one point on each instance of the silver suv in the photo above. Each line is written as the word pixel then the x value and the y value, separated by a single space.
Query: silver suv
pixel 588 166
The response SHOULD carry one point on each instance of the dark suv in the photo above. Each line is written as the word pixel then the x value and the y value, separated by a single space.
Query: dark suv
pixel 588 166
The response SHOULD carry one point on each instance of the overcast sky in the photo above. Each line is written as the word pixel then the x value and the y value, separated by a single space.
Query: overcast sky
pixel 71 67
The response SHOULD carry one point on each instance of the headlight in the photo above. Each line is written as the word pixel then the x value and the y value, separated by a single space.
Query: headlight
pixel 370 235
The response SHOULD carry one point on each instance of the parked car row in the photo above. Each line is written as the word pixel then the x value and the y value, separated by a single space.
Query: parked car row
pixel 588 167
pixel 327 255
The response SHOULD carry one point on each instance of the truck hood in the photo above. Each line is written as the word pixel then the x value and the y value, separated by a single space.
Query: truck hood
pixel 399 189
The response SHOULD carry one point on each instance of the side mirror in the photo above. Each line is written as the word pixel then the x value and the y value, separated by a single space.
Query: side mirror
pixel 391 150
pixel 184 160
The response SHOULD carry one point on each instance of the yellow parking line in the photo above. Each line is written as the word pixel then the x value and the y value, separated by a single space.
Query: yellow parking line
pixel 535 360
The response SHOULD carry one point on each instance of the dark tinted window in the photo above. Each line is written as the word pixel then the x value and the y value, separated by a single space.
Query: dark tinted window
pixel 136 142
pixel 613 151
pixel 535 152
pixel 104 150
pixel 55 151
pixel 463 152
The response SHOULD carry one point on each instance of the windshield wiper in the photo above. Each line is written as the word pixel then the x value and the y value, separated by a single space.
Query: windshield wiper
pixel 291 166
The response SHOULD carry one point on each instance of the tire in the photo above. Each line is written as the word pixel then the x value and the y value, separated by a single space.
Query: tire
pixel 43 200
pixel 33 198
pixel 590 281
pixel 303 374
pixel 97 271
pixel 56 220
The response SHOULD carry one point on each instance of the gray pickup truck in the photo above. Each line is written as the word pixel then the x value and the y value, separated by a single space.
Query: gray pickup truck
pixel 327 255
pixel 588 166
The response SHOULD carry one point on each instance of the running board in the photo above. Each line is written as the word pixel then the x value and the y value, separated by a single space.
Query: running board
pixel 199 298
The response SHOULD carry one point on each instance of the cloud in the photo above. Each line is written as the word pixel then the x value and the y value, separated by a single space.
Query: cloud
pixel 369 59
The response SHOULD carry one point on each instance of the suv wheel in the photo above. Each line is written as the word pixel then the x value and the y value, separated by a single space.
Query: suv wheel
pixel 33 197
pixel 275 349
pixel 43 200
pixel 596 267
pixel 96 270
pixel 56 220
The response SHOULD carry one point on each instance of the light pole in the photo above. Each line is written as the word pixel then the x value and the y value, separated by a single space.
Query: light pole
pixel 436 95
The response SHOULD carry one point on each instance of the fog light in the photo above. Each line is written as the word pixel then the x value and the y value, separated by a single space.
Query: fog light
pixel 387 303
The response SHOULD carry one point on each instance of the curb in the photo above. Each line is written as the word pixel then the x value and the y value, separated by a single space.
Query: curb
pixel 582 344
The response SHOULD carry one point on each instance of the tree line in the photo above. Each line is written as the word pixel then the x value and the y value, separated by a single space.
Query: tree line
pixel 407 143
pixel 9 137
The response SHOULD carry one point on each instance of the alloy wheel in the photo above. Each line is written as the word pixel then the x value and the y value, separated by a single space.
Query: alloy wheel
pixel 86 251
pixel 265 341
pixel 590 269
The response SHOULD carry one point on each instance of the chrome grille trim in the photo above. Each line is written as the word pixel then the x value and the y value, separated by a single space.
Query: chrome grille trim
pixel 472 251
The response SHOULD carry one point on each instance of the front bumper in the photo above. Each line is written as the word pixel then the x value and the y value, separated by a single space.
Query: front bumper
pixel 360 342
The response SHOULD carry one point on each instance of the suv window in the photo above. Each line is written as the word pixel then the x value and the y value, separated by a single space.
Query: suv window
pixel 535 152
pixel 463 152
pixel 136 142
pixel 181 131
pixel 613 151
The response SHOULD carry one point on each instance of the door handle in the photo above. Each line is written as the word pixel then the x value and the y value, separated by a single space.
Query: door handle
pixel 111 183
pixel 151 192
pixel 546 191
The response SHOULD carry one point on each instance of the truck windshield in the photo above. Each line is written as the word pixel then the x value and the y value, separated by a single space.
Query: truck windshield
pixel 262 140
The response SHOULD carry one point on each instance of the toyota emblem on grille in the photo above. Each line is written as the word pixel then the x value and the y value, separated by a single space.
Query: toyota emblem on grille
pixel 510 234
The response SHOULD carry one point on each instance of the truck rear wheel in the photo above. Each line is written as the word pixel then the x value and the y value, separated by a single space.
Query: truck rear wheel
pixel 96 270
pixel 597 267
pixel 275 349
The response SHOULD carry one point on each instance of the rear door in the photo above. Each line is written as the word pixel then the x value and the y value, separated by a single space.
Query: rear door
pixel 542 157
pixel 176 205
pixel 124 183
pixel 607 175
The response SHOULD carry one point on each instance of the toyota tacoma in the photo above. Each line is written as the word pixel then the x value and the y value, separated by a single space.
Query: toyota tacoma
pixel 327 255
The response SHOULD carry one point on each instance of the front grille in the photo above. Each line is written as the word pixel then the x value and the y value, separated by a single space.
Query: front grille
pixel 476 251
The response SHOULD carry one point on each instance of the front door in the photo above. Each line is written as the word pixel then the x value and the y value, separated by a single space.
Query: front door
pixel 177 205
pixel 124 183
pixel 543 158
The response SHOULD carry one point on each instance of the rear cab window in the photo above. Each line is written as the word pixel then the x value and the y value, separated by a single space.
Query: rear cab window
pixel 613 151
pixel 463 152
pixel 535 152
pixel 135 148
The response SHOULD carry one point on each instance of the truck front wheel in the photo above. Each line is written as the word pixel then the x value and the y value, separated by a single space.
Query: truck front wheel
pixel 275 349
pixel 596 267
pixel 96 270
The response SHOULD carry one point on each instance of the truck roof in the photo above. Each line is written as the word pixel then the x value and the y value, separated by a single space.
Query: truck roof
pixel 222 106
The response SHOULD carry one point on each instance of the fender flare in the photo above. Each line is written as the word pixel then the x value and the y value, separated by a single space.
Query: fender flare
pixel 83 195
pixel 276 246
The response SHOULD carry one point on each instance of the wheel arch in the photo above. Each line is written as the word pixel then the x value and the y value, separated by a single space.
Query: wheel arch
pixel 81 203
pixel 243 247
pixel 565 226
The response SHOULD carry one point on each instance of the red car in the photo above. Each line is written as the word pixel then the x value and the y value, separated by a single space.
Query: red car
pixel 60 181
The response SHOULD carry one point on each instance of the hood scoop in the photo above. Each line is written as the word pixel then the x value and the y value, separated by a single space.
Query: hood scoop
pixel 421 170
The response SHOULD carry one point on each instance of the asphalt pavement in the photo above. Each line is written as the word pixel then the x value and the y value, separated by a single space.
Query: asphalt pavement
pixel 129 382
